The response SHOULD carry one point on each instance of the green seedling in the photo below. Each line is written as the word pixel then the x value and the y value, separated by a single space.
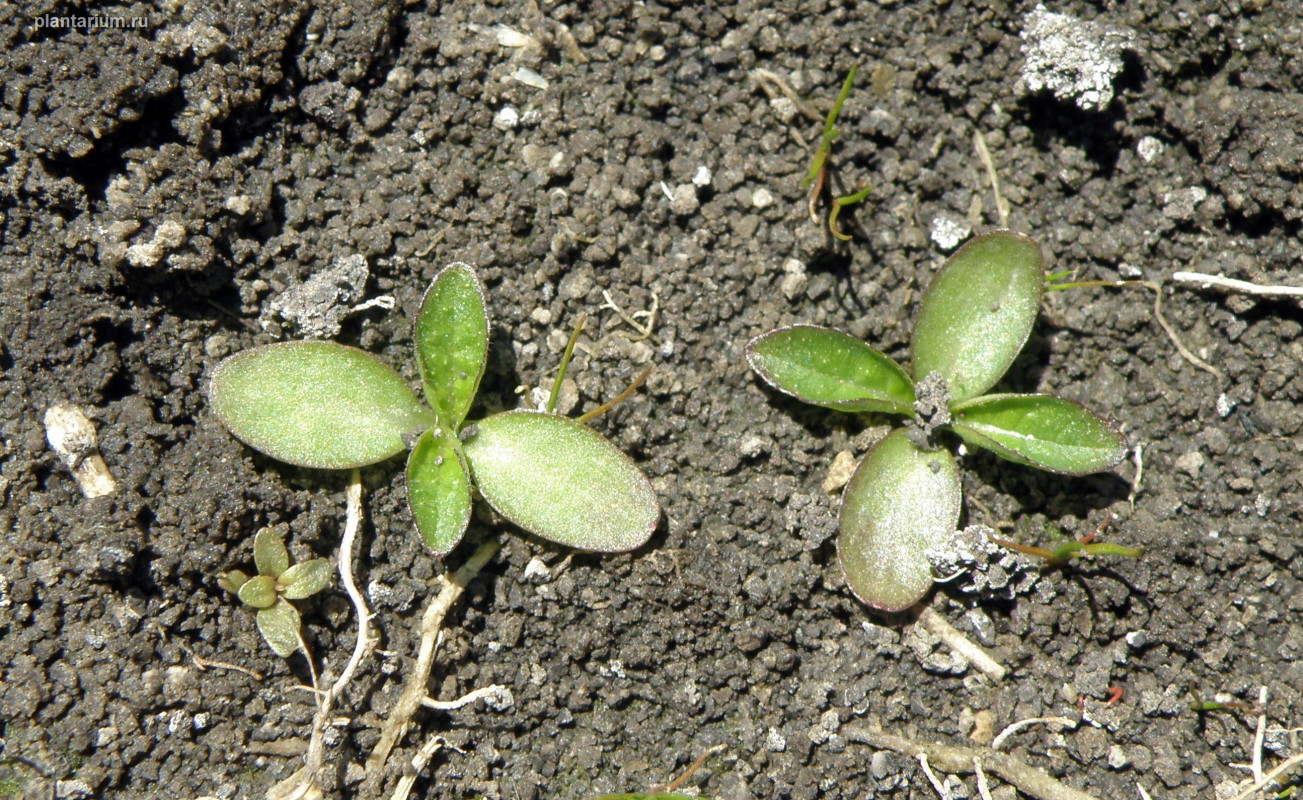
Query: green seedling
pixel 325 405
pixel 1200 706
pixel 905 496
pixel 275 585
pixel 1085 547
pixel 816 175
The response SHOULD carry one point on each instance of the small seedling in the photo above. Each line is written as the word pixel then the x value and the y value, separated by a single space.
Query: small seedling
pixel 325 405
pixel 1085 547
pixel 275 585
pixel 816 175
pixel 905 495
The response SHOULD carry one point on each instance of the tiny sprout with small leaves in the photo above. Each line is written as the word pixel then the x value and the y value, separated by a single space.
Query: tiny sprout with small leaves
pixel 275 585
pixel 905 496
pixel 329 406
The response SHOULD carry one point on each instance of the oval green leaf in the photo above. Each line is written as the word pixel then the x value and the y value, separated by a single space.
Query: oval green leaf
pixel 978 312
pixel 829 368
pixel 269 553
pixel 1045 432
pixel 258 591
pixel 452 342
pixel 562 480
pixel 316 404
pixel 439 490
pixel 279 626
pixel 306 579
pixel 900 501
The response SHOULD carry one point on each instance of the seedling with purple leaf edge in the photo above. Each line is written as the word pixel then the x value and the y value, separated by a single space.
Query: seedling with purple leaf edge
pixel 905 495
pixel 325 405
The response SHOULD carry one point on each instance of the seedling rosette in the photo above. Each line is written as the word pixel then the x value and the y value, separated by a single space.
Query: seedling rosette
pixel 905 496
pixel 329 406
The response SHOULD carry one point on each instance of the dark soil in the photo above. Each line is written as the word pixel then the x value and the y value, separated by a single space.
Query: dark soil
pixel 162 186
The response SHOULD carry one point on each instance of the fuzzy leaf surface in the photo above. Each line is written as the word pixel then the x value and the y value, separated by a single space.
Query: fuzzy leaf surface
pixel 438 490
pixel 259 591
pixel 269 553
pixel 829 368
pixel 306 579
pixel 232 580
pixel 279 626
pixel 900 501
pixel 1045 432
pixel 452 342
pixel 978 312
pixel 316 404
pixel 562 480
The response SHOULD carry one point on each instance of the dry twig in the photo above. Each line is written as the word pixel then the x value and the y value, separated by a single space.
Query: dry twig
pixel 961 644
pixel 959 760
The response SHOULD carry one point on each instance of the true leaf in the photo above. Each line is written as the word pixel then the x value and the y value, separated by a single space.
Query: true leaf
pixel 978 312
pixel 438 490
pixel 1046 432
pixel 269 553
pixel 259 591
pixel 829 368
pixel 316 404
pixel 306 579
pixel 279 626
pixel 232 580
pixel 452 342
pixel 900 501
pixel 561 480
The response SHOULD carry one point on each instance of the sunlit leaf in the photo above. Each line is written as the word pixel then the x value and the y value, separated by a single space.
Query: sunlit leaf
pixel 452 342
pixel 438 490
pixel 316 404
pixel 306 579
pixel 1045 432
pixel 269 553
pixel 562 480
pixel 829 368
pixel 279 626
pixel 232 580
pixel 978 312
pixel 901 501
pixel 259 591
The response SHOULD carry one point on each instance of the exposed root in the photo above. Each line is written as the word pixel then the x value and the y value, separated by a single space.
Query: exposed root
pixel 418 679
pixel 961 644
pixel 1233 286
pixel 1001 204
pixel 959 760
pixel 302 784
pixel 1066 723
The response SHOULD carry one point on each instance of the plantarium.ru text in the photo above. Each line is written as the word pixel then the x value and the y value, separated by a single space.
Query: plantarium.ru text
pixel 326 405
pixel 905 496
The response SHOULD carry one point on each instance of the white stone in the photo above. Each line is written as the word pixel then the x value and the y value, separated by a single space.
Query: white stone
pixel 506 119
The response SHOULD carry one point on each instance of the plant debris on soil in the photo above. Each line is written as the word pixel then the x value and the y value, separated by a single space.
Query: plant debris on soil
pixel 173 191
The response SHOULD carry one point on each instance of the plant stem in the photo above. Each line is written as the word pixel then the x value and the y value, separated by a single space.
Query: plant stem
pixel 565 363
pixel 619 398
pixel 947 758
pixel 303 782
pixel 415 687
